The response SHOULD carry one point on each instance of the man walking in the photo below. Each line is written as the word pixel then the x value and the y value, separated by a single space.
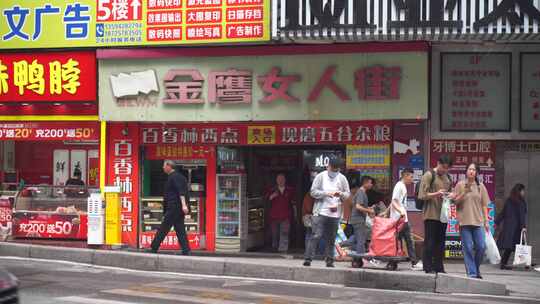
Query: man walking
pixel 434 185
pixel 330 188
pixel 281 200
pixel 398 210
pixel 175 208
pixel 361 209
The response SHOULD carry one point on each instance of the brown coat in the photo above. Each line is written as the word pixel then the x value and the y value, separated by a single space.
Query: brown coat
pixel 432 207
pixel 470 209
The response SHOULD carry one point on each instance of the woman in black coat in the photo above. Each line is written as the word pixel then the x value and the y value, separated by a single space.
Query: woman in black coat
pixel 514 216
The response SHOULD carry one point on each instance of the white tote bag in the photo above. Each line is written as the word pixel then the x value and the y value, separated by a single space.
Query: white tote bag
pixel 445 210
pixel 523 253
pixel 492 254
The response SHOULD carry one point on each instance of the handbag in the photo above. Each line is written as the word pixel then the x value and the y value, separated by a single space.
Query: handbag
pixel 523 253
pixel 307 220
pixel 491 254
pixel 445 210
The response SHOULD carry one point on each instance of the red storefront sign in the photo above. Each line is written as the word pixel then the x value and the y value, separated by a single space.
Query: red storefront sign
pixel 57 226
pixel 282 133
pixel 48 77
pixel 123 168
pixel 47 131
pixel 171 241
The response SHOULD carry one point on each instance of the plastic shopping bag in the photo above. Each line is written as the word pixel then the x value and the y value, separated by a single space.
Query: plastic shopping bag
pixel 445 210
pixel 523 253
pixel 492 254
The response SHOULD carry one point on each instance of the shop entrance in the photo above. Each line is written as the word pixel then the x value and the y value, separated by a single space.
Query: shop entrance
pixel 299 165
pixel 524 168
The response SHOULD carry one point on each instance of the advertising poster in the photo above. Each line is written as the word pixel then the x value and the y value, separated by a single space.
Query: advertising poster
pixel 54 226
pixel 113 23
pixel 5 218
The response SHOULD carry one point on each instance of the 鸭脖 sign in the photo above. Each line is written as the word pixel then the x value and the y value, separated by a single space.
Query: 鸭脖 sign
pixel 48 77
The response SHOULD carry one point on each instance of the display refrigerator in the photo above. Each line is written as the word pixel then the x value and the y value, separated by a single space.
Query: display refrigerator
pixel 231 213
pixel 52 212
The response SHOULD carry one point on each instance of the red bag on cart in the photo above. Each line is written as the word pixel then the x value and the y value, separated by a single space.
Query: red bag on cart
pixel 384 240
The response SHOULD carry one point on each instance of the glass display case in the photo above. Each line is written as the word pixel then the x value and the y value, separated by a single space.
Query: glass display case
pixel 229 212
pixel 152 215
pixel 51 212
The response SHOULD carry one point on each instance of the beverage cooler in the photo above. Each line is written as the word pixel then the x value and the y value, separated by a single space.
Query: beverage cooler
pixel 51 212
pixel 231 213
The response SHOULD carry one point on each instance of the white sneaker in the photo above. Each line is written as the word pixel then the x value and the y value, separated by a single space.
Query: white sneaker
pixel 418 266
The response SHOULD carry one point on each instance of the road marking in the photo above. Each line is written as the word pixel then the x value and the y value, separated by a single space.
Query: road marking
pixel 172 297
pixel 236 283
pixel 82 300
pixel 241 293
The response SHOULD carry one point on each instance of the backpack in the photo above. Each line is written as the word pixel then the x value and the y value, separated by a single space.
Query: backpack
pixel 419 203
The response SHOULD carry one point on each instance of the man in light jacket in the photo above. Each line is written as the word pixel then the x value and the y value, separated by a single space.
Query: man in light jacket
pixel 330 188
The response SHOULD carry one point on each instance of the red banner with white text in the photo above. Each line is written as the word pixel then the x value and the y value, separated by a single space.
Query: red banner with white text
pixel 271 133
pixel 49 131
pixel 123 172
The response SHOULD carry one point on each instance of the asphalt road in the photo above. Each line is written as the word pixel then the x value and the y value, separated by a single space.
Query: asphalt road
pixel 62 282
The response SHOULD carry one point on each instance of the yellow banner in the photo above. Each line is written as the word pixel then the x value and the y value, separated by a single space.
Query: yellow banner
pixel 113 227
pixel 108 23
pixel 368 156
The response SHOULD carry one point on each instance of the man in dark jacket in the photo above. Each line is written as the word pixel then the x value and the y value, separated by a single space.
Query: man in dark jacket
pixel 514 218
pixel 175 208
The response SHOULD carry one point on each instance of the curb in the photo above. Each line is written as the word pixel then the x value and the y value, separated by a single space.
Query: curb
pixel 360 278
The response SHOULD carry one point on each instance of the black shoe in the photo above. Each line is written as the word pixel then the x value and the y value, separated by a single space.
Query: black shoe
pixel 149 250
pixel 441 271
pixel 330 264
pixel 479 277
pixel 506 267
pixel 307 263
pixel 187 253
pixel 429 271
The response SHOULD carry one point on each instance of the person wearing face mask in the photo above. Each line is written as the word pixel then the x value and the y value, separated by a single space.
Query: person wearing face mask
pixel 329 189
pixel 472 199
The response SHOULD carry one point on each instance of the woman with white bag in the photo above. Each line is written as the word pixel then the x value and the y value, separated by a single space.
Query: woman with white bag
pixel 514 220
pixel 471 198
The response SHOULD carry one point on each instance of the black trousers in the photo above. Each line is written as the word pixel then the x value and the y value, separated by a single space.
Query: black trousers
pixel 434 243
pixel 405 234
pixel 506 256
pixel 170 220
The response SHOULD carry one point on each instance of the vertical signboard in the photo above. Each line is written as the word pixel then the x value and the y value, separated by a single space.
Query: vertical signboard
pixel 530 92
pixel 475 91
pixel 123 171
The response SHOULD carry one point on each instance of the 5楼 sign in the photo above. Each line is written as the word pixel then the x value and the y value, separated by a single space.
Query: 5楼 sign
pixel 48 77
pixel 109 23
